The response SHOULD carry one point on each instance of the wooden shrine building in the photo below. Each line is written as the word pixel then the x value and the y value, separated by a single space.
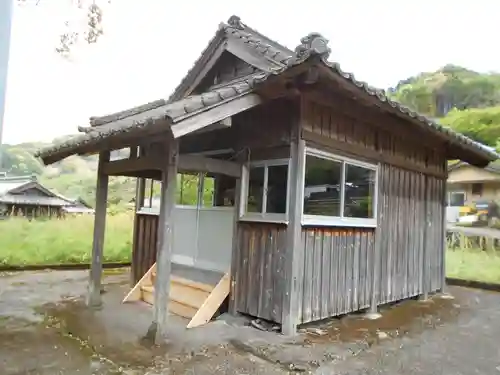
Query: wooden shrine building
pixel 326 196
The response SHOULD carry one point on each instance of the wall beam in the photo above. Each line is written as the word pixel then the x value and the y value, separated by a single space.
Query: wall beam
pixel 195 163
pixel 94 290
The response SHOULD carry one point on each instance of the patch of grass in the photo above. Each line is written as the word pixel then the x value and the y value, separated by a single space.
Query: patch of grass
pixel 63 241
pixel 474 265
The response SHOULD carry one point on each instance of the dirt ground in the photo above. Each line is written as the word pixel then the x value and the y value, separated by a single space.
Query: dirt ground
pixel 46 329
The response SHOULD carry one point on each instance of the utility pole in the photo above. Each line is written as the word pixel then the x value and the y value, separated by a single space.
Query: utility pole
pixel 5 29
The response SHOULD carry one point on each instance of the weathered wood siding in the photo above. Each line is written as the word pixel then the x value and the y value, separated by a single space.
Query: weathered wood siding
pixel 144 246
pixel 262 127
pixel 336 275
pixel 338 263
pixel 260 275
pixel 227 68
pixel 369 137
pixel 411 229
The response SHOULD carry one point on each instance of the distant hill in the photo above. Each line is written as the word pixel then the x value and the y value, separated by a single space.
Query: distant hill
pixel 436 93
pixel 462 99
pixel 73 177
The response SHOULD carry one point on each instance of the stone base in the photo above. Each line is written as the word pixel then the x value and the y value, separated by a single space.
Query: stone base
pixel 372 315
pixel 424 298
pixel 445 296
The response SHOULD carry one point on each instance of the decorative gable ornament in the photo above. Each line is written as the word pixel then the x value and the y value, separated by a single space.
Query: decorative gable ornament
pixel 314 44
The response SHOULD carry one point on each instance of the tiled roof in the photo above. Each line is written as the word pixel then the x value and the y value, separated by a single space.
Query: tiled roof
pixel 312 46
pixel 316 45
pixel 8 184
pixel 144 115
pixel 235 28
pixel 34 200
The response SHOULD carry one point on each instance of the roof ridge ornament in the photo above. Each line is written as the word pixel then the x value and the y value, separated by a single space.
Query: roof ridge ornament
pixel 235 22
pixel 314 44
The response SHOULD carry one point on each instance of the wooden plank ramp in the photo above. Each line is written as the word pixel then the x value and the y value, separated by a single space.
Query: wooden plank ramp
pixel 188 298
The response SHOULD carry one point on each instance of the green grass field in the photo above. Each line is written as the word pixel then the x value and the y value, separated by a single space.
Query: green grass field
pixel 63 240
pixel 474 265
pixel 69 241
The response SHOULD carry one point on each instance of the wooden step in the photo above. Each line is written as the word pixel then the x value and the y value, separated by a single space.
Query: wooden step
pixel 175 307
pixel 187 298
pixel 182 294
pixel 182 281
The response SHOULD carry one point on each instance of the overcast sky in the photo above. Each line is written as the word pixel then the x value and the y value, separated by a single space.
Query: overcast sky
pixel 149 45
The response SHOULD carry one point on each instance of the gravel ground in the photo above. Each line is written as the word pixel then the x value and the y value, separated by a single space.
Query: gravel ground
pixel 45 330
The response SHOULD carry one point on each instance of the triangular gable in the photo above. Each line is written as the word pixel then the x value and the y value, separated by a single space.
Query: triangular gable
pixel 33 187
pixel 235 51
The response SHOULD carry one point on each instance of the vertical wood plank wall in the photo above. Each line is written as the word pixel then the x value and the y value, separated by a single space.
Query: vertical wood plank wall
pixel 144 247
pixel 260 275
pixel 336 271
pixel 337 263
pixel 406 201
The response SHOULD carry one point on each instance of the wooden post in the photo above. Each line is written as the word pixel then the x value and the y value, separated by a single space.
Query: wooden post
pixel 235 252
pixel 425 263
pixel 94 292
pixel 164 245
pixel 140 189
pixel 445 224
pixel 380 202
pixel 294 247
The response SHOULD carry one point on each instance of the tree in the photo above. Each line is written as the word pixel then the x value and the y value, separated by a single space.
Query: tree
pixel 480 124
pixel 435 94
pixel 86 25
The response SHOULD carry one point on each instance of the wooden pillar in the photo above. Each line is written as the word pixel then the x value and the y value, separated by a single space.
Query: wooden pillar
pixel 94 292
pixel 165 243
pixel 377 250
pixel 425 258
pixel 140 190
pixel 235 251
pixel 444 242
pixel 294 246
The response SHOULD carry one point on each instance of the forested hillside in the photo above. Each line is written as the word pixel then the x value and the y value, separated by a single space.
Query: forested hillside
pixel 467 101
pixel 462 99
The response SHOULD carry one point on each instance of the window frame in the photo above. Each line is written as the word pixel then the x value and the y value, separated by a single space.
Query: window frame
pixel 450 193
pixel 339 221
pixel 477 186
pixel 267 217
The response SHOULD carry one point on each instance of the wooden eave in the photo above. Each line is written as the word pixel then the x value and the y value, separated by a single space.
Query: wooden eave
pixel 136 129
pixel 455 149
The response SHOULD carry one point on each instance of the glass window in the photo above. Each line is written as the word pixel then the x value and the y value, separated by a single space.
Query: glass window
pixel 457 199
pixel 277 178
pixel 255 189
pixel 359 188
pixel 338 191
pixel 477 189
pixel 267 185
pixel 322 186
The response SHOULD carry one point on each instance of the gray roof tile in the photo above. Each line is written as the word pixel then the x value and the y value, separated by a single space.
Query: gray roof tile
pixel 145 115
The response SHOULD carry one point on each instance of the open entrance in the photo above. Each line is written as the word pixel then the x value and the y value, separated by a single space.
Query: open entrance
pixel 202 244
pixel 203 217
